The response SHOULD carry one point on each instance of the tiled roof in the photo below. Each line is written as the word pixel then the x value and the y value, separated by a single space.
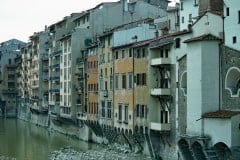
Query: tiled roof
pixel 220 114
pixel 162 37
pixel 204 37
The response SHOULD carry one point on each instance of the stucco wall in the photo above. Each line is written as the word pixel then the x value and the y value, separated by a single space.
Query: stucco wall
pixel 182 99
pixel 219 130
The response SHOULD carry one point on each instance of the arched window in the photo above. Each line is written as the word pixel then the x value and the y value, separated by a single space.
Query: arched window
pixel 232 81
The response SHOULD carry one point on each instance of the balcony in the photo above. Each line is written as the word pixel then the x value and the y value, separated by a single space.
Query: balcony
pixel 55 89
pixel 160 61
pixel 56 65
pixel 160 126
pixel 56 53
pixel 45 57
pixel 45 68
pixel 64 115
pixel 160 92
pixel 81 116
pixel 55 78
pixel 45 78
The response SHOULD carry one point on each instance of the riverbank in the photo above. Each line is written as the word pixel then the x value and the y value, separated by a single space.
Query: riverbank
pixel 113 152
pixel 6 158
pixel 23 140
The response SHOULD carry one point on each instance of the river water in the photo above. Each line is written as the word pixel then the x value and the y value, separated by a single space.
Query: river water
pixel 24 141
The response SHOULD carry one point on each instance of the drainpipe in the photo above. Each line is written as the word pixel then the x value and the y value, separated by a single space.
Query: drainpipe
pixel 133 89
pixel 113 87
pixel 220 64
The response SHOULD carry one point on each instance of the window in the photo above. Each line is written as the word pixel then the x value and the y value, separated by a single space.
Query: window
pixel 195 3
pixel 124 81
pixel 126 113
pixel 116 55
pixel 116 81
pixel 138 53
pixel 142 111
pixel 141 79
pixel 164 116
pixel 111 83
pixel 108 57
pixel 227 11
pixel 161 54
pixel 181 5
pixel 109 41
pixel 234 39
pixel 123 53
pixel 130 80
pixel 101 84
pixel 109 110
pixel 166 53
pixel 143 53
pixel 138 110
pixel 177 42
pixel 130 52
pixel 120 112
pixel 105 71
pixel 138 79
pixel 238 16
pixel 103 108
pixel 190 18
pixel 106 87
pixel 182 19
pixel 144 79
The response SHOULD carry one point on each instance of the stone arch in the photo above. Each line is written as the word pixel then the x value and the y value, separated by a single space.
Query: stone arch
pixel 126 131
pixel 232 81
pixel 184 149
pixel 222 150
pixel 130 132
pixel 183 83
pixel 198 151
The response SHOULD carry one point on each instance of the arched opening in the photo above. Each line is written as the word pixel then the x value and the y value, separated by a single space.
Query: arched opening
pixel 222 151
pixel 136 129
pixel 141 129
pixel 184 149
pixel 232 81
pixel 126 131
pixel 198 151
pixel 183 83
pixel 130 132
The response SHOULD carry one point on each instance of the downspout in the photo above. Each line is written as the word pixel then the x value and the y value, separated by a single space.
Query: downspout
pixel 220 64
pixel 113 87
pixel 133 89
